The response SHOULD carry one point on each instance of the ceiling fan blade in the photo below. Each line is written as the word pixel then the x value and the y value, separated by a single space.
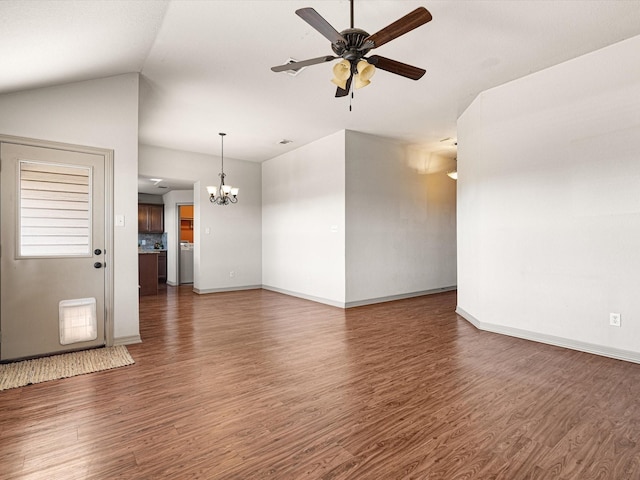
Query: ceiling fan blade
pixel 399 68
pixel 412 20
pixel 314 19
pixel 343 92
pixel 303 63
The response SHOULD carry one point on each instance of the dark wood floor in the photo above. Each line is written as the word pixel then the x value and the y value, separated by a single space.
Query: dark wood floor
pixel 254 385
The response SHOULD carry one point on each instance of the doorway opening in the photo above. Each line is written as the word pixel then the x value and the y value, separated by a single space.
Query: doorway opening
pixel 185 244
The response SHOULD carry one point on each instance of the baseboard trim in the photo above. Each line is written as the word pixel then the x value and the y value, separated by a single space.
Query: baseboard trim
pixel 204 291
pixel 586 347
pixel 401 296
pixel 304 296
pixel 359 303
pixel 130 340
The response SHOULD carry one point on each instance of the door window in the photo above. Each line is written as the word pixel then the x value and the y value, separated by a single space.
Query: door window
pixel 55 210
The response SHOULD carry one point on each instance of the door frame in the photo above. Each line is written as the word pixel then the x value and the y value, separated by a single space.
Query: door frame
pixel 107 154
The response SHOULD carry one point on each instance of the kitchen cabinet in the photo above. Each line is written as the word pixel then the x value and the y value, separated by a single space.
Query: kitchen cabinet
pixel 148 273
pixel 150 218
pixel 162 266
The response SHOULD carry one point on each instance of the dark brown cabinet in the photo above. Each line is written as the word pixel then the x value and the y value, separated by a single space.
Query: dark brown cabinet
pixel 150 218
pixel 152 269
pixel 162 267
pixel 148 273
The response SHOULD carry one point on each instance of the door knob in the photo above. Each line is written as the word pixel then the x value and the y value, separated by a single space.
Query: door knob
pixel 97 265
pixel 97 251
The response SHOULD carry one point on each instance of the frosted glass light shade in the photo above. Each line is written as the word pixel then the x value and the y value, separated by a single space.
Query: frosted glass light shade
pixel 211 190
pixel 234 191
pixel 226 189
pixel 365 72
pixel 360 83
pixel 341 72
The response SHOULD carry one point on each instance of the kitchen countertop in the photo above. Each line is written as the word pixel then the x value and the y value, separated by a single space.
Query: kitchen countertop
pixel 151 250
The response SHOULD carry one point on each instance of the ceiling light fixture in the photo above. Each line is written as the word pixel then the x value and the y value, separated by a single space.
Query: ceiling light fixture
pixel 362 73
pixel 453 173
pixel 352 45
pixel 226 194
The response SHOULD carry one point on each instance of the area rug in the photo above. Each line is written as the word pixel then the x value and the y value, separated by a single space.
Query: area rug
pixel 26 372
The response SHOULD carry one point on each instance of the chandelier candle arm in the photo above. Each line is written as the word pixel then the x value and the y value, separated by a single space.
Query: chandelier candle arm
pixel 224 194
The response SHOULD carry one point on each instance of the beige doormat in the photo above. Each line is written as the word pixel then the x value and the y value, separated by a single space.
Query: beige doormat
pixel 26 372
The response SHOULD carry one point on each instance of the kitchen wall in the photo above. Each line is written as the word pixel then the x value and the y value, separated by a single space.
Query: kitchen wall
pixel 148 198
pixel 149 241
pixel 548 204
pixel 98 113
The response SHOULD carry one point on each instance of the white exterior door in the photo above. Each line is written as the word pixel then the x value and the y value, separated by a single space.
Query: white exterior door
pixel 52 265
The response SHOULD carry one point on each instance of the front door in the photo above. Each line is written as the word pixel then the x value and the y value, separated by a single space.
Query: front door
pixel 52 275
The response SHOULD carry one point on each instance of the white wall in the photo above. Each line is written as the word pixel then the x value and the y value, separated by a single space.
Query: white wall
pixel 303 221
pixel 401 223
pixel 172 200
pixel 98 113
pixel 233 244
pixel 347 221
pixel 549 204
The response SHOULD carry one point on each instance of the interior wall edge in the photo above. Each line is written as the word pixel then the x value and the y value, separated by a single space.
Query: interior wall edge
pixel 602 350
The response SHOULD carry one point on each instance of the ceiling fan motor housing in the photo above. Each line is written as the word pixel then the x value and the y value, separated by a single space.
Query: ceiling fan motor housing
pixel 355 48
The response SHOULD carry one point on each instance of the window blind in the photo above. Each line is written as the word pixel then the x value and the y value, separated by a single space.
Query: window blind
pixel 55 210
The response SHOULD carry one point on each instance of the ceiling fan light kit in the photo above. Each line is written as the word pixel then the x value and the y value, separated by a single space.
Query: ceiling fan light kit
pixel 341 73
pixel 353 44
pixel 364 73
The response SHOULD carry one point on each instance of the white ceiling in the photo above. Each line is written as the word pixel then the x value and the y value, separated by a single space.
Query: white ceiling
pixel 205 65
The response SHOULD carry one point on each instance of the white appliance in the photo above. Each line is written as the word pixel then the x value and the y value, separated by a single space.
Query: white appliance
pixel 186 262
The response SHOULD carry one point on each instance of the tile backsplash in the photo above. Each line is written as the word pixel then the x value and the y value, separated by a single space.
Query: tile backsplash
pixel 150 239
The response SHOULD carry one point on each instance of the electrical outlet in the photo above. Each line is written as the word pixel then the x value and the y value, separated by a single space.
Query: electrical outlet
pixel 614 319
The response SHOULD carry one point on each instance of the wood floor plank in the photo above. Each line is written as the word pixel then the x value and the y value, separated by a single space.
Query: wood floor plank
pixel 254 385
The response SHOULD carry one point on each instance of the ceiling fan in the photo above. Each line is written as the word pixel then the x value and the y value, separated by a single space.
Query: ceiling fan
pixel 353 44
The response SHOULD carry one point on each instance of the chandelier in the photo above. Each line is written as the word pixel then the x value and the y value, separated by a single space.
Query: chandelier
pixel 224 194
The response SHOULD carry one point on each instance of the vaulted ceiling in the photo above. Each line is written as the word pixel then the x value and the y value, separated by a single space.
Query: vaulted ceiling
pixel 205 65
